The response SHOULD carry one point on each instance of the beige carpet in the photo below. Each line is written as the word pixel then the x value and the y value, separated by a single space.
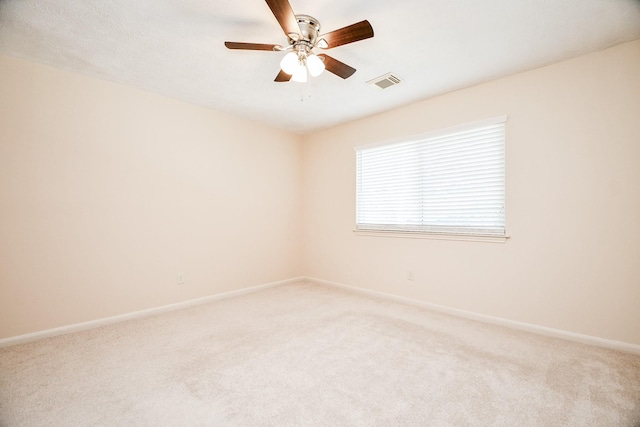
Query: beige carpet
pixel 307 355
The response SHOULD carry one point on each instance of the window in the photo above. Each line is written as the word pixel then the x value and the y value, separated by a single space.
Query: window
pixel 445 182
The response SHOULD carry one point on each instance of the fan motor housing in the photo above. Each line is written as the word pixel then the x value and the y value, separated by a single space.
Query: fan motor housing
pixel 309 29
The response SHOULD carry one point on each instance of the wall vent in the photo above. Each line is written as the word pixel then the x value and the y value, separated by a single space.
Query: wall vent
pixel 384 82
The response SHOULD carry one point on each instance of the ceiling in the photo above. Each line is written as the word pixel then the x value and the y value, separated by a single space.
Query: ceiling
pixel 176 48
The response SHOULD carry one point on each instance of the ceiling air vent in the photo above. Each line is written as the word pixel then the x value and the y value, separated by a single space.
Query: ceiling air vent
pixel 384 82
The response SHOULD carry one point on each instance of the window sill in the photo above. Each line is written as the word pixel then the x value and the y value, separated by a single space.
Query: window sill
pixel 487 238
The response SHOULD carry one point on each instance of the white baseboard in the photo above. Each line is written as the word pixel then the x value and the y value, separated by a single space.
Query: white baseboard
pixel 5 342
pixel 541 330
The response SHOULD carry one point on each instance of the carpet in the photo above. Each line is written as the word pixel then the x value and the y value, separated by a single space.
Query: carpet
pixel 312 355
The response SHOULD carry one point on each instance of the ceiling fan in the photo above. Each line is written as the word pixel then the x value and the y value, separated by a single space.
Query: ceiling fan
pixel 303 36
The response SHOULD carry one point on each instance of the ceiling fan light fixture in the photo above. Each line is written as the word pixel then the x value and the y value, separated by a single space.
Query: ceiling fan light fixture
pixel 300 75
pixel 315 65
pixel 303 33
pixel 290 63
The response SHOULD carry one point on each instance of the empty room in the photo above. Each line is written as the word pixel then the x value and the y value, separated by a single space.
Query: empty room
pixel 329 213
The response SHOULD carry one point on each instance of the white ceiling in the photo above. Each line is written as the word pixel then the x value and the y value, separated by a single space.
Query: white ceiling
pixel 175 48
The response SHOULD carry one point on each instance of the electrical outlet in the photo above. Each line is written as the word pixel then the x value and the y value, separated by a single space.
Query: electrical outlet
pixel 410 275
pixel 180 279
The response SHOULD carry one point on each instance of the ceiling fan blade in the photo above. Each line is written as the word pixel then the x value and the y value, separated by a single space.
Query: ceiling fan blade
pixel 284 14
pixel 336 67
pixel 251 46
pixel 352 33
pixel 282 77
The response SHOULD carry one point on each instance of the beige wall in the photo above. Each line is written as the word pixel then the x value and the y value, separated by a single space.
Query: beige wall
pixel 106 193
pixel 573 202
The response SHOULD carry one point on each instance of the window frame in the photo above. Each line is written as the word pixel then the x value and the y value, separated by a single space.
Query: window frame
pixel 434 234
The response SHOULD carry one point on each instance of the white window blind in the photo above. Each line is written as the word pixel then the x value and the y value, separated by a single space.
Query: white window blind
pixel 446 182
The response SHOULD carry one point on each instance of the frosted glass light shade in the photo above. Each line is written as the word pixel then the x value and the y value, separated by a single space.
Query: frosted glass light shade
pixel 289 63
pixel 300 75
pixel 315 65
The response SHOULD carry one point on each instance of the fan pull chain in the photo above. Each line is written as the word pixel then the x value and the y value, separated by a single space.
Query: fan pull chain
pixel 308 87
